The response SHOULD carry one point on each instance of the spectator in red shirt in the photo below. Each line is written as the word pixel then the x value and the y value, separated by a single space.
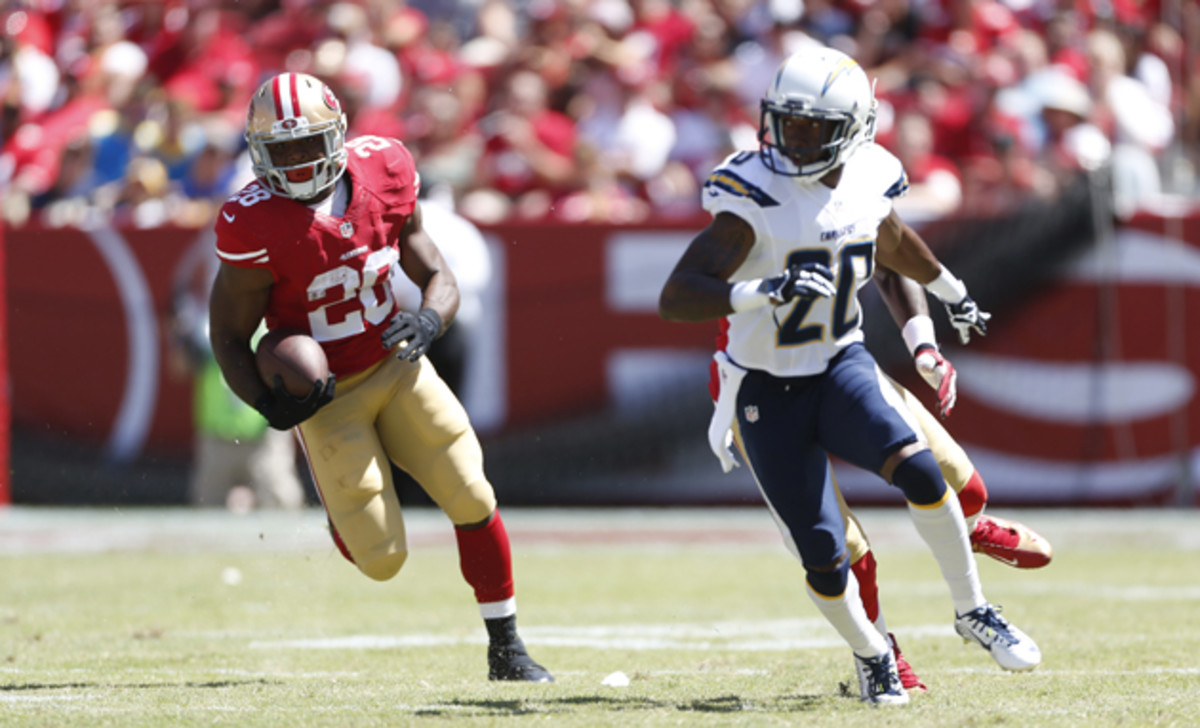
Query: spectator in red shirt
pixel 935 187
pixel 670 30
pixel 29 78
pixel 29 162
pixel 529 149
pixel 444 141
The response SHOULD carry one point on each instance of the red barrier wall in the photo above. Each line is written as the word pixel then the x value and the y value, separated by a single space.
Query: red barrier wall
pixel 1087 394
pixel 561 325
pixel 75 304
pixel 5 386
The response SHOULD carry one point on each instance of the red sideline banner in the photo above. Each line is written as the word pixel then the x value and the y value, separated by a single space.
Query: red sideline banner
pixel 90 349
pixel 1087 394
pixel 1084 395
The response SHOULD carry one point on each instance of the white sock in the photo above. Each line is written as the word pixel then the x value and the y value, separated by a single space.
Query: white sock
pixel 943 529
pixel 496 610
pixel 881 626
pixel 846 614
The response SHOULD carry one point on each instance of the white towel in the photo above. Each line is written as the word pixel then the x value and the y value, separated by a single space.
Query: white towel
pixel 720 432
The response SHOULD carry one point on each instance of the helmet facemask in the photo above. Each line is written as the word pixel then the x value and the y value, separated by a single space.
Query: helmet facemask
pixel 326 167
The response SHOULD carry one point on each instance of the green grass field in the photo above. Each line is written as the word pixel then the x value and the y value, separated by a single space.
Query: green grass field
pixel 175 617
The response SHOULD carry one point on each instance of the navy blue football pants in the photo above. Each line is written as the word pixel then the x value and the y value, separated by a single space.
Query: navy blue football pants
pixel 787 425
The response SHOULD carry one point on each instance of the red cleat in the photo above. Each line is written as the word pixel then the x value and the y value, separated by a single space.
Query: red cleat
pixel 908 676
pixel 1010 542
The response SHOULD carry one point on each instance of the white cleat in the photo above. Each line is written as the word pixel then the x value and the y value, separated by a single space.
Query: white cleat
pixel 878 680
pixel 1011 648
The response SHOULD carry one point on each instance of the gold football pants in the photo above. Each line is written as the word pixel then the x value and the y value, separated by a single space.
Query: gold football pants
pixel 402 411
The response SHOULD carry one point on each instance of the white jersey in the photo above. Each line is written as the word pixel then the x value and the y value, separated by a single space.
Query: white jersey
pixel 798 222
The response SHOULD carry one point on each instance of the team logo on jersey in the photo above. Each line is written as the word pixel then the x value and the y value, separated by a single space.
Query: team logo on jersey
pixel 346 229
pixel 751 413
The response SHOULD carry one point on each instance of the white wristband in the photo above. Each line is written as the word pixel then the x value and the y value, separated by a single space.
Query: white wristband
pixel 918 331
pixel 946 287
pixel 745 296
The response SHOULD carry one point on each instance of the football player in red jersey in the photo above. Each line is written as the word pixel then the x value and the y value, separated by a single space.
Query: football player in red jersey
pixel 310 246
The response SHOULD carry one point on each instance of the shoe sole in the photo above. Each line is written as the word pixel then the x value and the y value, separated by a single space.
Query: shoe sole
pixel 1020 559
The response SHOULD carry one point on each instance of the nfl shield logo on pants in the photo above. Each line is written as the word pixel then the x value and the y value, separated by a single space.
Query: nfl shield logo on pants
pixel 751 413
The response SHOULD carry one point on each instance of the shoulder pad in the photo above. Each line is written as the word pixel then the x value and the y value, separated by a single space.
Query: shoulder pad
pixel 877 170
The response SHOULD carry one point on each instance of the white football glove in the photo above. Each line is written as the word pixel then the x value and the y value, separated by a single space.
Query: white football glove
pixel 939 373
pixel 720 427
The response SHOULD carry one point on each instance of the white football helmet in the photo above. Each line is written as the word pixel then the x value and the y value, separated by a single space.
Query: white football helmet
pixel 823 85
pixel 288 108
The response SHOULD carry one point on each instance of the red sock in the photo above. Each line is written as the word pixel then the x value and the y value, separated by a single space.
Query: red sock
pixel 486 561
pixel 973 496
pixel 868 589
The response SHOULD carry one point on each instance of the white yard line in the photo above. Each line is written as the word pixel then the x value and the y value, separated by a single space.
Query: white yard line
pixel 728 636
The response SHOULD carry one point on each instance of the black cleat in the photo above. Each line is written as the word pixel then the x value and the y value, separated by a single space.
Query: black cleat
pixel 512 662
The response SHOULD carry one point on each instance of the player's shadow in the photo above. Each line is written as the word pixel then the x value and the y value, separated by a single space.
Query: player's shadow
pixel 137 686
pixel 533 706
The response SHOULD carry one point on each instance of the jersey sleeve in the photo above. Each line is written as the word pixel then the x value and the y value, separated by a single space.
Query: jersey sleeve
pixel 884 171
pixel 236 242
pixel 732 187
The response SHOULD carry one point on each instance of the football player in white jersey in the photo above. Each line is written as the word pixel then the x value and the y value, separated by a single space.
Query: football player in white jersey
pixel 797 229
pixel 1009 542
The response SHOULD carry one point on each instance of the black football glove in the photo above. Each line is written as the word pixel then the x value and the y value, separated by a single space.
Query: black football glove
pixel 420 329
pixel 965 316
pixel 801 280
pixel 283 411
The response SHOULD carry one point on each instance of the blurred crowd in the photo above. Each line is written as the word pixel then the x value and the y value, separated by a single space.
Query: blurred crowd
pixel 131 112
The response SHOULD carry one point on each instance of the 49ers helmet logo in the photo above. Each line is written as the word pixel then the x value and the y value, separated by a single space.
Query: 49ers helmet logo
pixel 330 100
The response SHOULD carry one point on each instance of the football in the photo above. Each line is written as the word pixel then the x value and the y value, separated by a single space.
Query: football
pixel 294 356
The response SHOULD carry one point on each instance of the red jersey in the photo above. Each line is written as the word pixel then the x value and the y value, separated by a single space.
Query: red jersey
pixel 331 274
